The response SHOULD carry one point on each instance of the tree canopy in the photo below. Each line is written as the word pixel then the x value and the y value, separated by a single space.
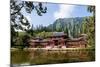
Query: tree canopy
pixel 18 20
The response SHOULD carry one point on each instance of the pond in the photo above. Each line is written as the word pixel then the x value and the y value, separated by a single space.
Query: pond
pixel 42 56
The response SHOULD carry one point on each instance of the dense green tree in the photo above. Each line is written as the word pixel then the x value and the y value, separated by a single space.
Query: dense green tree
pixel 91 9
pixel 88 26
pixel 91 25
pixel 30 31
pixel 18 20
pixel 66 30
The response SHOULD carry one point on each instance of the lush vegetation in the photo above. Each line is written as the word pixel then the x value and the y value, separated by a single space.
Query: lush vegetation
pixel 73 27
pixel 19 21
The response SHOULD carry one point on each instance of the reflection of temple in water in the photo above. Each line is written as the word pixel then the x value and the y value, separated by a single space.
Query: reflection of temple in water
pixel 59 40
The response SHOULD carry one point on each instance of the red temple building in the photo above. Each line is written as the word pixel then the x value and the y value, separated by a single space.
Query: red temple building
pixel 59 40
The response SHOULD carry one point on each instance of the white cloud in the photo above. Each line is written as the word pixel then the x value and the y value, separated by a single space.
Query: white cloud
pixel 64 11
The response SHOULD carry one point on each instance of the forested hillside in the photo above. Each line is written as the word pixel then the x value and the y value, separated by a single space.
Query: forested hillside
pixel 73 27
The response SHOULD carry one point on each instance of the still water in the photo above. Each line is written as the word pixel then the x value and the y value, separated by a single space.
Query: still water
pixel 40 56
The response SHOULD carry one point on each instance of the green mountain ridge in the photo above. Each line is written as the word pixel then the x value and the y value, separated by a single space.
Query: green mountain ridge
pixel 71 26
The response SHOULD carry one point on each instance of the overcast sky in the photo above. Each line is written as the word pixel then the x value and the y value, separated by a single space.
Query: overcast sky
pixel 55 11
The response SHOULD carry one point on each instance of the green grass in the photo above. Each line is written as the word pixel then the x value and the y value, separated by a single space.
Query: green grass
pixel 21 33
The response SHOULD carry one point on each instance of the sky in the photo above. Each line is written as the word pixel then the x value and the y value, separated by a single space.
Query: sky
pixel 56 11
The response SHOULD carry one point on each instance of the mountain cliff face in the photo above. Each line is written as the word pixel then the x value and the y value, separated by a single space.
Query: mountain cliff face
pixel 71 26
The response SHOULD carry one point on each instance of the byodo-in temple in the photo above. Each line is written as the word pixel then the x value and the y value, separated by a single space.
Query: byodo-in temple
pixel 59 40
